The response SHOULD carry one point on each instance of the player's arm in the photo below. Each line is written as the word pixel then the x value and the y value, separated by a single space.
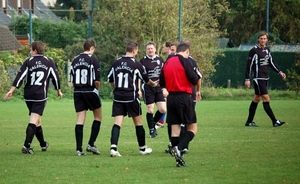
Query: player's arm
pixel 189 70
pixel 9 93
pixel 198 90
pixel 97 72
pixel 55 78
pixel 142 74
pixel 250 61
pixel 97 84
pixel 18 80
pixel 110 77
pixel 275 68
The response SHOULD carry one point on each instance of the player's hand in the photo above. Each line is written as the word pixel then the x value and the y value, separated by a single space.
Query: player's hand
pixel 59 93
pixel 247 83
pixel 140 94
pixel 8 95
pixel 282 75
pixel 165 92
pixel 198 96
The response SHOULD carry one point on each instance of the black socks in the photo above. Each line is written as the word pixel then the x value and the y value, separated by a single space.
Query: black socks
pixel 140 135
pixel 252 110
pixel 269 111
pixel 79 136
pixel 40 137
pixel 30 131
pixel 94 132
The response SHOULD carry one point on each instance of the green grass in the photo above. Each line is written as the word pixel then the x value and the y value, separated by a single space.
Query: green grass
pixel 224 150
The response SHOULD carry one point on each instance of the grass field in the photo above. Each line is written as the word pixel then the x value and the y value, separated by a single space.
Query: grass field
pixel 224 150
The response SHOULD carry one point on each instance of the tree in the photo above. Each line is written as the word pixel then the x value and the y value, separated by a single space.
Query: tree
pixel 116 22
pixel 245 18
pixel 66 10
pixel 57 35
pixel 293 76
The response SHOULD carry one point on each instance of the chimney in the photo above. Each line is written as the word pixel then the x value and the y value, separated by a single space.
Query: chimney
pixel 4 6
pixel 19 6
pixel 29 4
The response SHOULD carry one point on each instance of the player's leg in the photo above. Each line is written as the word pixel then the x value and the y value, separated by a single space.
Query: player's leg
pixel 149 99
pixel 94 104
pixel 40 106
pixel 150 120
pixel 161 110
pixel 40 136
pixel 269 111
pixel 162 119
pixel 253 104
pixel 135 111
pixel 35 112
pixel 30 131
pixel 81 115
pixel 119 110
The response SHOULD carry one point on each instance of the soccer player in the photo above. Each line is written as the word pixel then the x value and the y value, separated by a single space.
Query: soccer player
pixel 36 72
pixel 166 48
pixel 178 76
pixel 85 76
pixel 123 77
pixel 153 95
pixel 258 64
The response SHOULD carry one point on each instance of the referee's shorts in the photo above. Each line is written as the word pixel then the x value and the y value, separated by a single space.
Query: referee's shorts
pixel 180 109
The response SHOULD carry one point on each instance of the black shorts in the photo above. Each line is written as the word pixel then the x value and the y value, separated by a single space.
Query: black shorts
pixel 181 109
pixel 86 101
pixel 36 107
pixel 260 86
pixel 152 94
pixel 133 109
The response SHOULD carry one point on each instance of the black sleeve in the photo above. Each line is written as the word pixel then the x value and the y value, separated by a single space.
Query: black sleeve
pixel 55 75
pixel 162 81
pixel 249 63
pixel 144 75
pixel 189 70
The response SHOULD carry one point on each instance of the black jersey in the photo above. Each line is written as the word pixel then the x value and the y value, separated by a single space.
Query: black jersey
pixel 85 70
pixel 152 66
pixel 36 73
pixel 259 61
pixel 191 59
pixel 124 73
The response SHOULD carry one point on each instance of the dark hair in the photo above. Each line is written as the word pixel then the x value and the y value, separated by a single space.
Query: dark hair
pixel 182 47
pixel 262 33
pixel 168 44
pixel 174 43
pixel 88 44
pixel 131 46
pixel 38 46
pixel 150 43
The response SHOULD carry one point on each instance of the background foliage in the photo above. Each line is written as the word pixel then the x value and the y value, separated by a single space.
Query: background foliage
pixel 245 18
pixel 117 21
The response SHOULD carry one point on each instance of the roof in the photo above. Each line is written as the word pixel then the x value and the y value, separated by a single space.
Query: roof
pixel 40 11
pixel 8 41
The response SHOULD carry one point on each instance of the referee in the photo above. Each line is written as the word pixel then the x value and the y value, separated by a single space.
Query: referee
pixel 178 76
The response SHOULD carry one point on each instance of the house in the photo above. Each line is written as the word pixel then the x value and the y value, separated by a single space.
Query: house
pixel 8 40
pixel 11 8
